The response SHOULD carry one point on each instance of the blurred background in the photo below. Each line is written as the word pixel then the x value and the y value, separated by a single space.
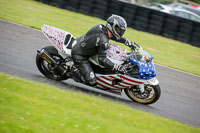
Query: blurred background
pixel 175 19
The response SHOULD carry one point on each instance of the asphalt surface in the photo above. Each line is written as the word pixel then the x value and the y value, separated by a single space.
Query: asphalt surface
pixel 180 98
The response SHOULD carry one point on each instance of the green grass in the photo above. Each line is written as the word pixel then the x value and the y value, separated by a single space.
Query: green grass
pixel 167 52
pixel 29 107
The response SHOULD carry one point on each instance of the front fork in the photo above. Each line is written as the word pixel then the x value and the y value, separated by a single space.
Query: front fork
pixel 154 81
pixel 141 87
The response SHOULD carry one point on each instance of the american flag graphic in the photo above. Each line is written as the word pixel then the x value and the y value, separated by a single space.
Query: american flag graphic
pixel 105 82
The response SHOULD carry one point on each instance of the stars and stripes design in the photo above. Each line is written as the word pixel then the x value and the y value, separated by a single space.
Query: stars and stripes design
pixel 55 35
pixel 106 82
pixel 115 52
pixel 146 71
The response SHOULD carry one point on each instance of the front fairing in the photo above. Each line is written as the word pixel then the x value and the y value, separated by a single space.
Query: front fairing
pixel 145 63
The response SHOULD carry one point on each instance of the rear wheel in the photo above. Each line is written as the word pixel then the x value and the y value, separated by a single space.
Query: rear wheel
pixel 150 95
pixel 47 69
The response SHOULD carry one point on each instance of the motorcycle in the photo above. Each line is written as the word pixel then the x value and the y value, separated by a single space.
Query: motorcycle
pixel 139 82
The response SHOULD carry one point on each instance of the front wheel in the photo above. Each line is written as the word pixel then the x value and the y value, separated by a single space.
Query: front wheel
pixel 150 95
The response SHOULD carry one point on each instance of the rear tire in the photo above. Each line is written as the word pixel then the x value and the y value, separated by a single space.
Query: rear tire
pixel 145 98
pixel 45 68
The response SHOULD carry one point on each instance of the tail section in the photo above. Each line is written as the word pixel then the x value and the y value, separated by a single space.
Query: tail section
pixel 60 39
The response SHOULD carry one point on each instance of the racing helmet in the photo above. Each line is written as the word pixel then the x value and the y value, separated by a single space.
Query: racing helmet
pixel 116 25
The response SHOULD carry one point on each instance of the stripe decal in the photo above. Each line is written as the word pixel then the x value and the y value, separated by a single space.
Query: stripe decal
pixel 118 91
pixel 124 83
pixel 106 78
pixel 128 83
pixel 119 85
pixel 103 86
pixel 100 87
pixel 106 83
pixel 126 78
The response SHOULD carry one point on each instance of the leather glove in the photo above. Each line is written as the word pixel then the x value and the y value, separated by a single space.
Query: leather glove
pixel 120 68
pixel 132 45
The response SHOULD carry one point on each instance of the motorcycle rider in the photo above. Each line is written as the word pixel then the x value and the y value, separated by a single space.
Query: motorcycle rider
pixel 95 41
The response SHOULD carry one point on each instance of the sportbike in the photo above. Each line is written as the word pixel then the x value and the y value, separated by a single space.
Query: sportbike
pixel 139 82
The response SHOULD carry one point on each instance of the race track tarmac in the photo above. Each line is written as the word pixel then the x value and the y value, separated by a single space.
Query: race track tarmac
pixel 180 98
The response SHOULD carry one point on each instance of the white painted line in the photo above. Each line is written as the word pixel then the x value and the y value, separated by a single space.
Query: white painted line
pixel 155 63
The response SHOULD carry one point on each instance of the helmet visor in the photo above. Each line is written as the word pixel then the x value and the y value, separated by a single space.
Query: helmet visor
pixel 119 30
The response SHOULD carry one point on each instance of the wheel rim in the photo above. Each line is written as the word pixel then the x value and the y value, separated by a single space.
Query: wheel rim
pixel 146 97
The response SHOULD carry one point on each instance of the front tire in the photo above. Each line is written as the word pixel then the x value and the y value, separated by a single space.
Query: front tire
pixel 150 95
pixel 45 68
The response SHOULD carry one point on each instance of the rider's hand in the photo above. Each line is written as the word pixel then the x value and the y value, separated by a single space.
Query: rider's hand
pixel 120 68
pixel 130 44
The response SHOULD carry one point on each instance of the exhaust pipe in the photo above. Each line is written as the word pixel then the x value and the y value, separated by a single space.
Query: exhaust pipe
pixel 45 55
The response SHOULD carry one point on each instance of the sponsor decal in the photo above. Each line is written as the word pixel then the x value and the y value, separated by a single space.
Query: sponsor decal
pixel 83 44
pixel 153 80
pixel 44 57
pixel 92 75
pixel 98 39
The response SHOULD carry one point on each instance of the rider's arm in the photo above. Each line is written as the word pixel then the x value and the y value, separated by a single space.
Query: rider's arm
pixel 103 60
pixel 122 40
pixel 126 42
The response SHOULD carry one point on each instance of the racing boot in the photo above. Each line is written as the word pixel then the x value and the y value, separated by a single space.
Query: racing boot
pixel 76 75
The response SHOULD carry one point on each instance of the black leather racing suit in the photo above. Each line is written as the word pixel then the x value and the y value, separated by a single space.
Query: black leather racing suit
pixel 95 41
